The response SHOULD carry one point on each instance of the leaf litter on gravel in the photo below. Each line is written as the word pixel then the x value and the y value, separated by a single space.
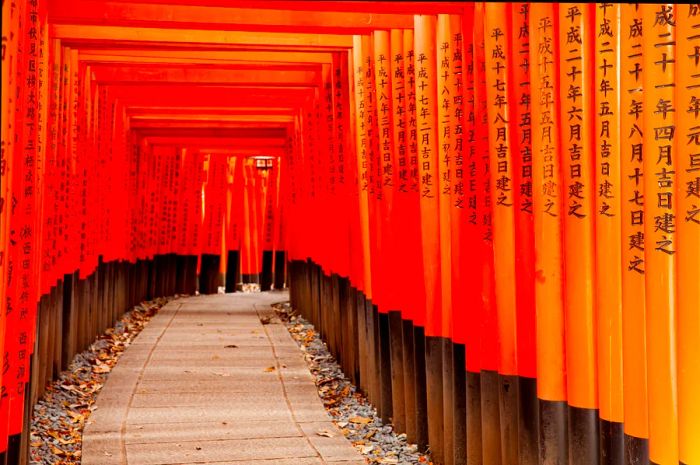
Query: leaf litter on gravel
pixel 59 417
pixel 352 413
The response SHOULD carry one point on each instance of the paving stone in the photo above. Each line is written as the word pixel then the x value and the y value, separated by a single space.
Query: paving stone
pixel 218 451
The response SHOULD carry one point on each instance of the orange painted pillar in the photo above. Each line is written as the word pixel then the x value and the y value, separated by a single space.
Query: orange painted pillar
pixel 361 230
pixel 446 92
pixel 10 25
pixel 498 97
pixel 412 219
pixel 547 204
pixel 428 159
pixel 414 333
pixel 577 155
pixel 660 160
pixel 521 153
pixel 688 233
pixel 608 227
pixel 488 324
pixel 467 281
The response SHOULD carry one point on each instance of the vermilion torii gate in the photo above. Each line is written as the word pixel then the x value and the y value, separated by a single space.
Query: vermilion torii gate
pixel 491 211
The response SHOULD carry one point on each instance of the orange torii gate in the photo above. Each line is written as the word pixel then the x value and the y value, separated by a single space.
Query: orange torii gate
pixel 490 211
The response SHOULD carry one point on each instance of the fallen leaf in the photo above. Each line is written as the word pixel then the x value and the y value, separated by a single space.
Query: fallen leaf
pixel 366 449
pixel 360 420
pixel 325 433
pixel 101 368
pixel 269 369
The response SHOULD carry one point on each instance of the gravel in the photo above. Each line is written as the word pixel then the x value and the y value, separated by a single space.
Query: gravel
pixel 59 417
pixel 349 408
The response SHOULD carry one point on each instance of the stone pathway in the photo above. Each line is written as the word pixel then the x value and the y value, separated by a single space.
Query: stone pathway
pixel 206 382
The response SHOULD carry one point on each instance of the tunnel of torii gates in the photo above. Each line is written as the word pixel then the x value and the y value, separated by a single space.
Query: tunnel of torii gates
pixel 491 211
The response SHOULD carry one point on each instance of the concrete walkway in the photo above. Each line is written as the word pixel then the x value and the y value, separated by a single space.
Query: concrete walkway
pixel 206 382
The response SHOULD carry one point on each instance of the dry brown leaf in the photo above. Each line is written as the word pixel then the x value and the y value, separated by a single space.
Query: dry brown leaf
pixel 325 433
pixel 269 369
pixel 101 368
pixel 360 420
pixel 57 451
pixel 77 418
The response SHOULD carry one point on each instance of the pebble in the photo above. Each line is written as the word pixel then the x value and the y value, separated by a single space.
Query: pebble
pixel 60 415
pixel 351 411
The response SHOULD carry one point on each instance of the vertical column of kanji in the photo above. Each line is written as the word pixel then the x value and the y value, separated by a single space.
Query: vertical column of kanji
pixel 659 81
pixel 175 195
pixel 293 193
pixel 43 76
pixel 102 141
pixel 341 133
pixel 64 164
pixel 131 163
pixel 169 203
pixel 183 217
pixel 290 199
pixel 154 179
pixel 608 284
pixel 461 105
pixel 446 92
pixel 308 147
pixel 82 162
pixel 521 150
pixel 73 153
pixel 488 322
pixel 190 206
pixel 327 169
pixel 90 148
pixel 176 230
pixel 688 215
pixel 547 205
pixel 416 307
pixel 374 197
pixel 632 230
pixel 147 168
pixel 498 98
pixel 48 258
pixel 428 155
pixel 385 163
pixel 577 139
